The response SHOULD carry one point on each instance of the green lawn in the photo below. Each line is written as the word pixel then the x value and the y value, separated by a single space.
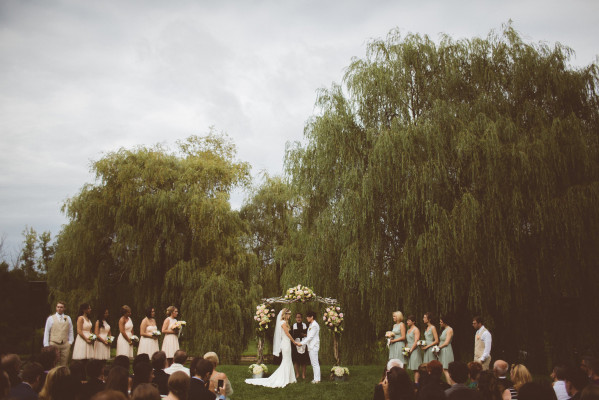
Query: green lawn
pixel 359 385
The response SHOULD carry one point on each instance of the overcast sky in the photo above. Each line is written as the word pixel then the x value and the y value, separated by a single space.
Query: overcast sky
pixel 82 78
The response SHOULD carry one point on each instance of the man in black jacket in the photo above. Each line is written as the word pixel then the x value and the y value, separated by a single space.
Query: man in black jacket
pixel 95 379
pixel 28 388
pixel 458 374
pixel 160 377
pixel 198 387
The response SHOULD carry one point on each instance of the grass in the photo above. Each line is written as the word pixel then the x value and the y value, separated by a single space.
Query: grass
pixel 359 384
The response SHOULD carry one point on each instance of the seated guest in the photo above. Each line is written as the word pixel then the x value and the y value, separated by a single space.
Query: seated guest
pixel 474 368
pixel 142 373
pixel 11 363
pixel 179 359
pixel 576 380
pixel 143 357
pixel 178 386
pixel 535 391
pixel 559 384
pixel 95 379
pixel 160 377
pixel 121 361
pixel 458 374
pixel 378 388
pixel 49 359
pixel 198 387
pixel 520 376
pixel 434 387
pixel 398 385
pixel 31 384
pixel 60 385
pixel 591 392
pixel 145 391
pixel 489 388
pixel 110 395
pixel 500 369
pixel 422 375
pixel 4 384
pixel 216 376
pixel 118 379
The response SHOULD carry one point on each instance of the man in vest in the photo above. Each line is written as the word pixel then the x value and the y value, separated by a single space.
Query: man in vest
pixel 482 343
pixel 59 332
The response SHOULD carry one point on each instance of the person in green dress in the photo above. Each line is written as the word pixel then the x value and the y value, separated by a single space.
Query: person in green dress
pixel 415 356
pixel 446 352
pixel 430 336
pixel 398 342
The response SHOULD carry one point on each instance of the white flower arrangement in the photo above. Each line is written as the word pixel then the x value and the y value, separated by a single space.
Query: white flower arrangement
pixel 156 333
pixel 178 325
pixel 436 349
pixel 333 318
pixel 109 339
pixel 389 335
pixel 421 343
pixel 134 338
pixel 299 293
pixel 405 351
pixel 92 337
pixel 339 371
pixel 263 317
pixel 257 369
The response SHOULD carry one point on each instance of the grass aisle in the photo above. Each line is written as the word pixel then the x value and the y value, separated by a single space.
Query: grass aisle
pixel 359 385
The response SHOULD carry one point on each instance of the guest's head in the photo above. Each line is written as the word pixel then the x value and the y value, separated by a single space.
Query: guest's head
pixel 159 360
pixel 59 385
pixel 142 373
pixel 394 362
pixel 102 316
pixel 474 368
pixel 477 322
pixel 110 395
pixel 400 385
pixel 32 374
pixel 178 384
pixel 428 318
pixel 310 316
pixel 141 358
pixel 145 391
pixel 77 368
pixel 434 369
pixel 172 311
pixel 411 320
pixel 49 357
pixel 212 357
pixel 150 312
pixel 11 364
pixel 559 372
pixel 180 357
pixel 500 368
pixel 118 379
pixel 397 317
pixel 520 375
pixel 84 309
pixel 125 311
pixel 458 371
pixel 423 372
pixel 488 385
pixel 95 369
pixel 4 384
pixel 121 361
pixel 576 379
pixel 202 368
pixel 590 392
pixel 536 391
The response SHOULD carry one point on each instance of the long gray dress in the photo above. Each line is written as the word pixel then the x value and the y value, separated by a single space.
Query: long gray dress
pixel 446 353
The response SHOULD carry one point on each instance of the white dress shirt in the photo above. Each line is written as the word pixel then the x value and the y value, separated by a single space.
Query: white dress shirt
pixel 559 387
pixel 485 336
pixel 176 367
pixel 50 322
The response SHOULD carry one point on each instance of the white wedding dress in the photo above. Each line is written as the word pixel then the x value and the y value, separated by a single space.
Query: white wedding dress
pixel 285 374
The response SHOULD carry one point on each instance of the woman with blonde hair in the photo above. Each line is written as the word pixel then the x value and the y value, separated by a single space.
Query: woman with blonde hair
pixel 398 340
pixel 520 375
pixel 170 344
pixel 124 344
pixel 216 376
pixel 59 385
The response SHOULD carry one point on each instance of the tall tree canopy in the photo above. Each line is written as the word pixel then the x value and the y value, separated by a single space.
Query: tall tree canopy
pixel 459 177
pixel 157 229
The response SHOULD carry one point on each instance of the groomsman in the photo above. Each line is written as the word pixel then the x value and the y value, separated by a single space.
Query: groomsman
pixel 313 343
pixel 482 343
pixel 59 332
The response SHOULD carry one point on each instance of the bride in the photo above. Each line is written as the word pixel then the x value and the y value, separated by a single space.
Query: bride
pixel 282 341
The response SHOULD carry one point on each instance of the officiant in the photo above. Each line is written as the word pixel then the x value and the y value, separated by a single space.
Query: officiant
pixel 299 355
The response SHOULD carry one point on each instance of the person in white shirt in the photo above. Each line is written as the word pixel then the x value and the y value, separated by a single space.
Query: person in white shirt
pixel 482 343
pixel 59 333
pixel 179 359
pixel 559 382
pixel 313 343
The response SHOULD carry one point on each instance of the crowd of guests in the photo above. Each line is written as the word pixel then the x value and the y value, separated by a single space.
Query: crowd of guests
pixel 152 378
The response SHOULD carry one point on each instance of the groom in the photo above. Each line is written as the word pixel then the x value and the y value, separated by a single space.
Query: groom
pixel 313 343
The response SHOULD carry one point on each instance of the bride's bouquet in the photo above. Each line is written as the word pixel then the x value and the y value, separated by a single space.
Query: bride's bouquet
pixel 263 317
pixel 333 318
pixel 421 343
pixel 299 293
pixel 92 337
pixel 389 335
pixel 405 351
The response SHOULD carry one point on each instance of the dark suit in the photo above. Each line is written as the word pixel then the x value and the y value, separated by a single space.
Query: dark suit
pixel 161 380
pixel 462 392
pixel 22 391
pixel 90 388
pixel 198 390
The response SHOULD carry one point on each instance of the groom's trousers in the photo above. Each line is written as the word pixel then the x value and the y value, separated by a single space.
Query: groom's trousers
pixel 315 365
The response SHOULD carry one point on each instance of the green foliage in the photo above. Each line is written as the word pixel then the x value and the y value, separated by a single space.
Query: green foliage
pixel 157 229
pixel 458 177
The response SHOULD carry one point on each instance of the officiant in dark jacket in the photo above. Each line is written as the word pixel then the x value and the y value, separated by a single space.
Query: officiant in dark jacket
pixel 300 357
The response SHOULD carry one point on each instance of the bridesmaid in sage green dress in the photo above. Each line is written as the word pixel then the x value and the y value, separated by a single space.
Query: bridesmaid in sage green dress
pixel 431 337
pixel 446 353
pixel 398 342
pixel 413 336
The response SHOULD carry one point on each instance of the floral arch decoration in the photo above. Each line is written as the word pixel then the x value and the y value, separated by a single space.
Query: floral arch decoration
pixel 332 317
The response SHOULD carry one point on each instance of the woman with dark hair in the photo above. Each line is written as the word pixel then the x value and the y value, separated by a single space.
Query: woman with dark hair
pixel 433 387
pixel 148 342
pixel 118 379
pixel 412 337
pixel 170 344
pixel 488 385
pixel 178 386
pixel 474 369
pixel 145 391
pixel 142 373
pixel 446 351
pixel 397 385
pixel 84 346
pixel 124 344
pixel 430 336
pixel 102 331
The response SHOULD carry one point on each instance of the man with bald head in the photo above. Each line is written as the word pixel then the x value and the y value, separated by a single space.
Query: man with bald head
pixel 500 369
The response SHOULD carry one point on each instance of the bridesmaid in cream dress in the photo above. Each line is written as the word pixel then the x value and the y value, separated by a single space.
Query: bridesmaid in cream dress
pixel 102 331
pixel 124 345
pixel 84 347
pixel 170 344
pixel 148 342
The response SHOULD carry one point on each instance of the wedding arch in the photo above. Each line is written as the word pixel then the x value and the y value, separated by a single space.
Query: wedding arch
pixel 332 317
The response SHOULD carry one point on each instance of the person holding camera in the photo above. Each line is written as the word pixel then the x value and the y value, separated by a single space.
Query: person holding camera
pixel 199 385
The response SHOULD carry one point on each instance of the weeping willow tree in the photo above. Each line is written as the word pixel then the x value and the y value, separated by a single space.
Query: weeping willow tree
pixel 458 177
pixel 157 229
